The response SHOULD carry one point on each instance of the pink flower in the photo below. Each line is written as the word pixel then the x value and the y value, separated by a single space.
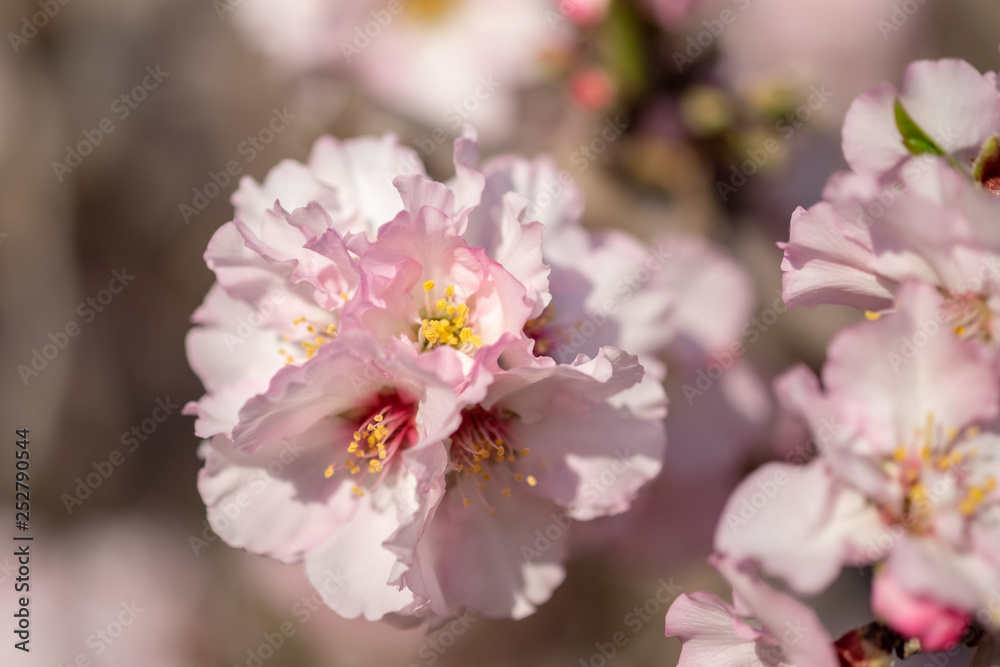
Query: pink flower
pixel 289 283
pixel 324 486
pixel 375 405
pixel 903 475
pixel 764 629
pixel 910 210
pixel 858 247
pixel 529 460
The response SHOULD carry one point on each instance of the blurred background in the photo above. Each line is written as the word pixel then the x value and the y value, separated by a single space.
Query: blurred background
pixel 709 120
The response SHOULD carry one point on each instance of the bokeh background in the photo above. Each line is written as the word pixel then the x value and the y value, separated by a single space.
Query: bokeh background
pixel 125 570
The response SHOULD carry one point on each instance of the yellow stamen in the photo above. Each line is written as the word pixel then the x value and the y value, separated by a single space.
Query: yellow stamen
pixel 429 285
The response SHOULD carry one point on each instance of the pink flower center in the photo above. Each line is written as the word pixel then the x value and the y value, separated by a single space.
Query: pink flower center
pixel 379 436
pixel 483 450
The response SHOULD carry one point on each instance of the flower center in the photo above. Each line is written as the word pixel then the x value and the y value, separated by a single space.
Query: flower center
pixel 969 316
pixel 308 335
pixel 936 474
pixel 379 436
pixel 482 448
pixel 444 322
pixel 308 338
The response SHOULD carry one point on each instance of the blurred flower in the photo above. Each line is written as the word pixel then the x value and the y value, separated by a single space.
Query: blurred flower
pixel 817 43
pixel 110 593
pixel 442 62
pixel 764 628
pixel 904 478
pixel 937 626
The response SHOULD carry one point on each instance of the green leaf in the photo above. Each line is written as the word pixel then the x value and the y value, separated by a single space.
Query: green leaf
pixel 914 138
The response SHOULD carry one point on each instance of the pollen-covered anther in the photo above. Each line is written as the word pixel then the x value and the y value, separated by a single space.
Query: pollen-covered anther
pixel 445 322
pixel 487 452
pixel 313 340
pixel 969 316
pixel 375 441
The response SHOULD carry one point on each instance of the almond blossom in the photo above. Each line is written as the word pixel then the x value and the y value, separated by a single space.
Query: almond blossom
pixel 905 479
pixel 376 405
pixel 917 205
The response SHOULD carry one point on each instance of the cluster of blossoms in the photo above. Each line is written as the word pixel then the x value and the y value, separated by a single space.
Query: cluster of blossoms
pixel 402 389
pixel 904 421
